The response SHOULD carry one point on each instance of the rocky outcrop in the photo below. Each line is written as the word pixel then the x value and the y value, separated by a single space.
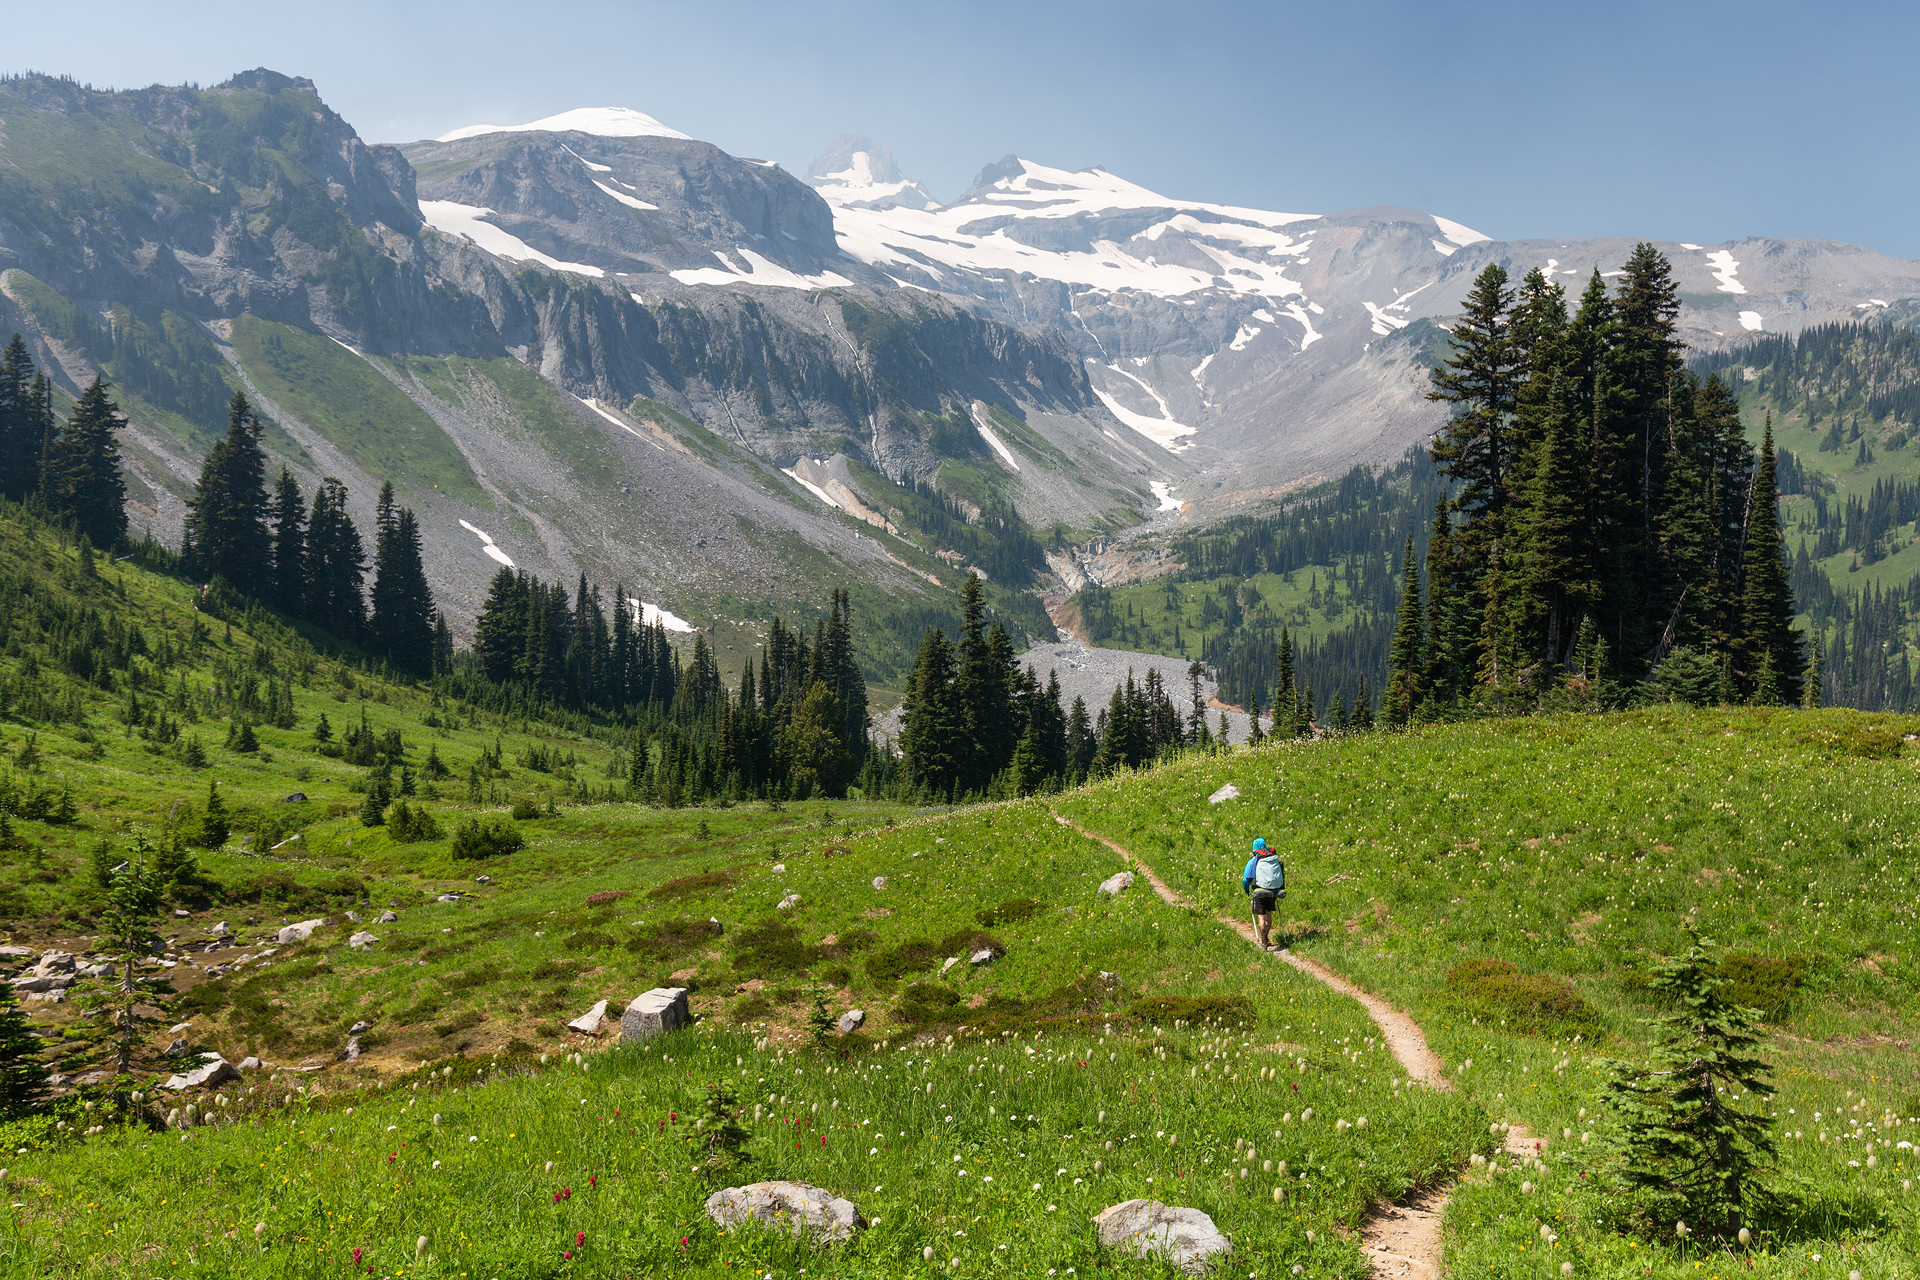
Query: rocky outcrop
pixel 1184 1238
pixel 806 1212
pixel 655 1013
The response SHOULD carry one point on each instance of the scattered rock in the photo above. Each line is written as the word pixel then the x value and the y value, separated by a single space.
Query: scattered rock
pixel 95 1077
pixel 387 917
pixel 361 939
pixel 354 916
pixel 1228 792
pixel 47 997
pixel 33 982
pixel 655 1012
pixel 448 897
pixel 851 1021
pixel 58 1081
pixel 177 1048
pixel 55 962
pixel 588 1023
pixel 983 956
pixel 221 930
pixel 779 866
pixel 794 1207
pixel 789 902
pixel 181 913
pixel 879 882
pixel 98 971
pixel 1117 883
pixel 298 797
pixel 13 952
pixel 352 1052
pixel 358 1027
pixel 299 932
pixel 483 879
pixel 210 1073
pixel 1184 1237
pixel 951 961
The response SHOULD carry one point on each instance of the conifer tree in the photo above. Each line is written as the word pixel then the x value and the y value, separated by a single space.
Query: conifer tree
pixel 1475 447
pixel 336 563
pixel 1767 635
pixel 933 725
pixel 22 1076
pixel 127 924
pixel 1554 590
pixel 1362 718
pixel 286 587
pixel 499 634
pixel 80 472
pixel 1810 685
pixel 20 432
pixel 1404 657
pixel 226 525
pixel 401 628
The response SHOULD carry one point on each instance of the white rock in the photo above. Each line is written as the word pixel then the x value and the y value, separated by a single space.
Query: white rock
pixel 1117 883
pixel 588 1023
pixel 299 932
pixel 387 917
pixel 361 939
pixel 178 1027
pixel 1184 1237
pixel 851 1021
pixel 879 882
pixel 211 1073
pixel 789 902
pixel 951 961
pixel 983 956
pixel 779 866
pixel 221 930
pixel 795 1207
pixel 1228 792
pixel 655 1012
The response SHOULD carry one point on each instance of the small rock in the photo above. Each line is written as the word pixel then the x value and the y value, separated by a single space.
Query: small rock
pixel 387 917
pixel 789 902
pixel 588 1023
pixel 983 956
pixel 358 1027
pixel 220 930
pixel 178 1027
pixel 298 797
pixel 361 939
pixel 1184 1237
pixel 794 1207
pixel 58 1081
pixel 95 1077
pixel 951 961
pixel 1228 792
pixel 250 1063
pixel 299 932
pixel 879 882
pixel 448 897
pixel 354 916
pixel 779 866
pixel 483 879
pixel 851 1021
pixel 352 1052
pixel 177 1048
pixel 181 913
pixel 210 1073
pixel 655 1012
pixel 1117 883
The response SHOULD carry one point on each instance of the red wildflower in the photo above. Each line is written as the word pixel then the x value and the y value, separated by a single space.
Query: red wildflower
pixel 579 1239
pixel 593 1180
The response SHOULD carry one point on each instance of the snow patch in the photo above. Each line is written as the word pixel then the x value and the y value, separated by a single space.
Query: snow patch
pixel 597 168
pixel 469 220
pixel 1460 234
pixel 1685 245
pixel 987 432
pixel 810 487
pixel 1724 268
pixel 1312 335
pixel 1163 490
pixel 486 545
pixel 603 122
pixel 1244 336
pixel 649 614
pixel 1201 368
pixel 624 198
pixel 1446 250
pixel 1750 319
pixel 759 271
pixel 603 411
pixel 1162 431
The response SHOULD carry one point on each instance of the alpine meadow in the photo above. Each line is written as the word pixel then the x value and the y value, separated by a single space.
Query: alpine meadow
pixel 577 704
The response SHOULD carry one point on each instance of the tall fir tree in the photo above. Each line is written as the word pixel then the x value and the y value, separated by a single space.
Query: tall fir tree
pixel 286 587
pixel 1405 655
pixel 80 472
pixel 21 434
pixel 1767 636
pixel 226 525
pixel 401 627
pixel 336 564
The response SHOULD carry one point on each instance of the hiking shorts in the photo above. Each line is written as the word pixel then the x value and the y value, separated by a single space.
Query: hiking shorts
pixel 1263 900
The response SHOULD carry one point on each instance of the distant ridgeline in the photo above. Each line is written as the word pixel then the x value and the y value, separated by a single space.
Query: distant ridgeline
pixel 1852 393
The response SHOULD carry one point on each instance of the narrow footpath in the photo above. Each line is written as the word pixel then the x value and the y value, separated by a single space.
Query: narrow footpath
pixel 1402 1241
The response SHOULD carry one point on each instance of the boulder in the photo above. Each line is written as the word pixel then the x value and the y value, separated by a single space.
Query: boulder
pixel 181 913
pixel 789 902
pixel 358 1027
pixel 879 882
pixel 1116 884
pixel 209 1073
pixel 448 897
pixel 221 930
pixel 794 1207
pixel 33 982
pixel 177 1048
pixel 361 939
pixel 251 1063
pixel 352 1052
pixel 588 1023
pixel 13 952
pixel 55 962
pixel 298 797
pixel 983 956
pixel 851 1021
pixel 483 879
pixel 387 917
pixel 1185 1238
pixel 655 1012
pixel 1228 792
pixel 299 932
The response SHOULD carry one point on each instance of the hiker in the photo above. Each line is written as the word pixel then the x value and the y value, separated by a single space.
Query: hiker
pixel 1265 881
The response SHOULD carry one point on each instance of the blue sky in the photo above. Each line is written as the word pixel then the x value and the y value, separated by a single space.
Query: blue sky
pixel 1687 121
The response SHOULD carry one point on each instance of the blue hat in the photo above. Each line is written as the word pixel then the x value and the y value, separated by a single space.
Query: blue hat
pixel 1259 844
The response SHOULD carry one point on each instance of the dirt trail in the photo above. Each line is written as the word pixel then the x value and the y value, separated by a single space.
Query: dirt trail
pixel 1402 1241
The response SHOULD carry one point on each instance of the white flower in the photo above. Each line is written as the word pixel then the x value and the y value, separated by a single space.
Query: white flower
pixel 1036 1186
pixel 436 1164
pixel 1050 1209
pixel 392 1127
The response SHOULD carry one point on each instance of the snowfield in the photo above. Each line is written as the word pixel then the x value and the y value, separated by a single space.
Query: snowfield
pixel 604 122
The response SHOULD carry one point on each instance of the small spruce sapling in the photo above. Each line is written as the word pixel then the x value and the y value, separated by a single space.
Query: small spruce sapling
pixel 821 1023
pixel 720 1132
pixel 22 1075
pixel 133 901
pixel 1686 1143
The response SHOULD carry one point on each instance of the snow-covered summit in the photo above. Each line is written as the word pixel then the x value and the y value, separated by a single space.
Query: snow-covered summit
pixel 604 122
pixel 856 173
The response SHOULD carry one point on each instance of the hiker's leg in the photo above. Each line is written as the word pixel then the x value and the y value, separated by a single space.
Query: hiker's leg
pixel 1262 922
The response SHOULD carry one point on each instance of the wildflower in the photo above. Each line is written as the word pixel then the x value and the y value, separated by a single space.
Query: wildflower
pixel 420 1246
pixel 1746 1237
pixel 259 1230
pixel 579 1239
pixel 926 1254
pixel 436 1164
pixel 1566 1268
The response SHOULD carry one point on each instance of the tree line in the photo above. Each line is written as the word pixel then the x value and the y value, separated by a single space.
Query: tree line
pixel 68 469
pixel 1604 507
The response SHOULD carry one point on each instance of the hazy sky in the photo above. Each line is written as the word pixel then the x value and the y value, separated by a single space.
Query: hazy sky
pixel 1687 121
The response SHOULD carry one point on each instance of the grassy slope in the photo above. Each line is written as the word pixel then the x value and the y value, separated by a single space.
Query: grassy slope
pixel 343 398
pixel 1581 847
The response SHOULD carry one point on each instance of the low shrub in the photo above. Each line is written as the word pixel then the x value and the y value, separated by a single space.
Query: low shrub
pixel 896 962
pixel 410 824
pixel 925 1002
pixel 774 947
pixel 1861 741
pixel 491 838
pixel 1766 983
pixel 1012 911
pixel 671 939
pixel 605 895
pixel 688 886
pixel 1229 1011
pixel 523 809
pixel 1529 1002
